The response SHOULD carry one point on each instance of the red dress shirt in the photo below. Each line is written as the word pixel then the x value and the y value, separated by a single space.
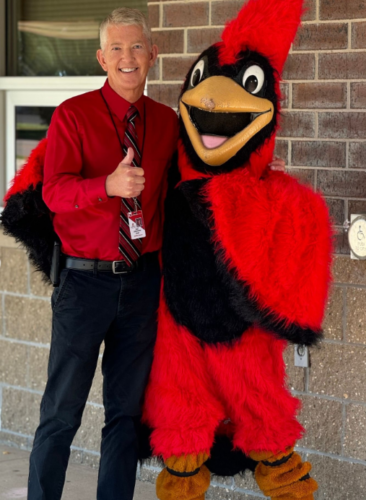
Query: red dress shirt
pixel 83 149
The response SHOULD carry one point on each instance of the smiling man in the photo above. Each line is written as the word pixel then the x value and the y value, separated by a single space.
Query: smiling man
pixel 105 170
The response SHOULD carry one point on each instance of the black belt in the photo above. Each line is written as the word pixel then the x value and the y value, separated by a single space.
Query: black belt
pixel 107 266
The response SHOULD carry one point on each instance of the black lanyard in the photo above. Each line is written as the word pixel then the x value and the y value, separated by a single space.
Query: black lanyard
pixel 118 136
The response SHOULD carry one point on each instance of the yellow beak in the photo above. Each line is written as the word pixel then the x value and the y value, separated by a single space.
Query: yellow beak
pixel 219 94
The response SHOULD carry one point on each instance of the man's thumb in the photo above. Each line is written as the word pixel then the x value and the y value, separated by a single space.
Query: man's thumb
pixel 129 157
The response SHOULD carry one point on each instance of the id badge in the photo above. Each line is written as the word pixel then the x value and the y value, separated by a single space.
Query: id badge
pixel 137 225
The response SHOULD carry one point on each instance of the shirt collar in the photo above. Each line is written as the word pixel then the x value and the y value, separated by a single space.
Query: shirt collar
pixel 118 105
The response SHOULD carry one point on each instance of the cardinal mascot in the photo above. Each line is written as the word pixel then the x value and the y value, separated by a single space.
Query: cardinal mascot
pixel 246 269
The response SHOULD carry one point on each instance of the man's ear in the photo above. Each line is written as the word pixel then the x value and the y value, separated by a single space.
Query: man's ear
pixel 153 55
pixel 101 59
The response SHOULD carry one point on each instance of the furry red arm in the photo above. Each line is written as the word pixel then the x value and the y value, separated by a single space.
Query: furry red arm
pixel 276 235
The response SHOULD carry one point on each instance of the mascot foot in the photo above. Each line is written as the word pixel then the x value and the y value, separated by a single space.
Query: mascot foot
pixel 284 476
pixel 184 478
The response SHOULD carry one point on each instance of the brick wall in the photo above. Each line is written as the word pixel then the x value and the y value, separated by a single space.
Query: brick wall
pixel 323 142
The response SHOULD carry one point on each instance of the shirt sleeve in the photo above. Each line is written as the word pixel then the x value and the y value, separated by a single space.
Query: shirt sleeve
pixel 64 187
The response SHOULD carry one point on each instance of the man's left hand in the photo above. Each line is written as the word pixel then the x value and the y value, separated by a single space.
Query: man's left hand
pixel 277 164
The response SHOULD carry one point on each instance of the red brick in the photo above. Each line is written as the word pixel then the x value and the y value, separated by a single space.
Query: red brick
pixel 284 87
pixel 297 124
pixel 281 150
pixel 186 14
pixel 166 94
pixel 340 242
pixel 342 9
pixel 299 67
pixel 201 39
pixel 176 68
pixel 356 207
pixel 359 35
pixel 319 154
pixel 154 15
pixel 154 73
pixel 310 8
pixel 336 210
pixel 303 175
pixel 342 183
pixel 342 66
pixel 169 41
pixel 342 125
pixel 224 11
pixel 357 155
pixel 319 95
pixel 358 95
pixel 322 37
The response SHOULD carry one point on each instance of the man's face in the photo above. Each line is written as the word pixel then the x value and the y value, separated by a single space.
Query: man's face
pixel 127 58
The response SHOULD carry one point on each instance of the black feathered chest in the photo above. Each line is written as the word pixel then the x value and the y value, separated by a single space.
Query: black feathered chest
pixel 201 293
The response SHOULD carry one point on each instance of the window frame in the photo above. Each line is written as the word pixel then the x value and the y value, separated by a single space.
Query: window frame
pixel 28 91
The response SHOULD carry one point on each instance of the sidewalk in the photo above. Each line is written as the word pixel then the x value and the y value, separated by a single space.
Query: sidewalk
pixel 81 480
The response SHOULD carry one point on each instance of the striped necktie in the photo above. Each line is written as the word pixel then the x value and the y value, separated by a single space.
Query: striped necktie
pixel 130 249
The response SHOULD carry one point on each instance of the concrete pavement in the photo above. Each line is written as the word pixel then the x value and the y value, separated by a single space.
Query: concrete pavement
pixel 81 480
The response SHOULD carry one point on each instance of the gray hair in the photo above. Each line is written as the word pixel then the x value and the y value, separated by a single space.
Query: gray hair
pixel 125 17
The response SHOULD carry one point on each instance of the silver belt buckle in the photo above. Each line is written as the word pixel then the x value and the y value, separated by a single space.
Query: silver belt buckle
pixel 116 262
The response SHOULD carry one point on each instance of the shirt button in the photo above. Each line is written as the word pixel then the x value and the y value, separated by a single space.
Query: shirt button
pixel 76 206
pixel 100 199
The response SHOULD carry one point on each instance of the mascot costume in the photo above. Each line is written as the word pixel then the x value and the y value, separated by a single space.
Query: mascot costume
pixel 246 269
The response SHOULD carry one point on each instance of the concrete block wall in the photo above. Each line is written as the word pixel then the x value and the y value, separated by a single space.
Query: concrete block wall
pixel 323 140
pixel 25 328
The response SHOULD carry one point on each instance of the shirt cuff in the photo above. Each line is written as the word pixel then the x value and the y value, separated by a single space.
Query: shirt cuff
pixel 96 190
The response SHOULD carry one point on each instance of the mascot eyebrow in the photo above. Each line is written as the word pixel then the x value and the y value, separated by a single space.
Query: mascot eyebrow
pixel 246 269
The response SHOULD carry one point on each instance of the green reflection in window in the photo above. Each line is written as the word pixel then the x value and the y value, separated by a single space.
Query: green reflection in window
pixel 32 123
pixel 53 38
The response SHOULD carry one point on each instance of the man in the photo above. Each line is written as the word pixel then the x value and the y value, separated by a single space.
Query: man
pixel 109 284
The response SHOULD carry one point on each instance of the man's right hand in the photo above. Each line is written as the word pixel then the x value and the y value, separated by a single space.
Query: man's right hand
pixel 126 181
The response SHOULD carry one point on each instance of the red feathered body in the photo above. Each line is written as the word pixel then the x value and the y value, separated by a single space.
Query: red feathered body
pixel 273 235
pixel 31 173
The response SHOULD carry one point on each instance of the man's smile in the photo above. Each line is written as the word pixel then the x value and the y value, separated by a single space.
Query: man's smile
pixel 128 70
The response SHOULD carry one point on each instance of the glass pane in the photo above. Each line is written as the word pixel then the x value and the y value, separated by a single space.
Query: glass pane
pixel 53 38
pixel 32 123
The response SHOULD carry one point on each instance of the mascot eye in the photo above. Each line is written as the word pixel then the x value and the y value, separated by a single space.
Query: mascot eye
pixel 253 79
pixel 197 73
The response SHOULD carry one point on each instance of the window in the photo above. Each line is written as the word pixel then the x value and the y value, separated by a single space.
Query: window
pixel 53 38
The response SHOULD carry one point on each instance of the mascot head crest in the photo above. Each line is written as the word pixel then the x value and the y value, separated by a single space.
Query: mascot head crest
pixel 264 26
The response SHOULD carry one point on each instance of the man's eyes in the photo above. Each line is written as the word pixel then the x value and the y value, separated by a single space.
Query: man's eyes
pixel 134 47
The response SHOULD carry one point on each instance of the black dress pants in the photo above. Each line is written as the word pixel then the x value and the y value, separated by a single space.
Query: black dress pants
pixel 88 308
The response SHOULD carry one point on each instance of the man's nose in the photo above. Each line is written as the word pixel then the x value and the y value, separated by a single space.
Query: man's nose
pixel 127 54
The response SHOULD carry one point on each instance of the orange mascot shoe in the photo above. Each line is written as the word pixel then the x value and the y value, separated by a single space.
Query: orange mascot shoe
pixel 284 476
pixel 184 478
